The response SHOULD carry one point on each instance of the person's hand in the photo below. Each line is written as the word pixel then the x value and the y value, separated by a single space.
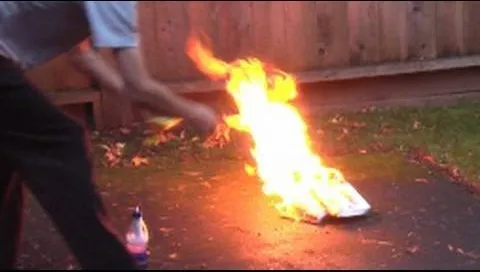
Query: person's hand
pixel 203 118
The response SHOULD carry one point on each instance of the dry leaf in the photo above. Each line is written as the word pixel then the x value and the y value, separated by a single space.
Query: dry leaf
pixel 421 180
pixel 193 174
pixel 250 169
pixel 416 124
pixel 335 120
pixel 137 161
pixel 468 254
pixel 378 242
pixel 125 130
pixel 165 230
pixel 412 249
pixel 450 247
pixel 359 124
pixel 455 172
pixel 173 256
pixel 429 159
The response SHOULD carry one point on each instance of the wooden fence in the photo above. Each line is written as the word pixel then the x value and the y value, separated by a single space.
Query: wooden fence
pixel 298 36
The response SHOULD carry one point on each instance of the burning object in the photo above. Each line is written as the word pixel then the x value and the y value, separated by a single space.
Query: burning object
pixel 285 163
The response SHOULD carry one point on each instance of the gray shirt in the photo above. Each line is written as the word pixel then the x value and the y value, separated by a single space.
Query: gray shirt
pixel 33 32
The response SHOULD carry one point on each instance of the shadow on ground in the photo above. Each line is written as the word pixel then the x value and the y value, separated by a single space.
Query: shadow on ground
pixel 212 215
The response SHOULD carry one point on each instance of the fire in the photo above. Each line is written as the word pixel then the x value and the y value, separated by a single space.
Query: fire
pixel 285 162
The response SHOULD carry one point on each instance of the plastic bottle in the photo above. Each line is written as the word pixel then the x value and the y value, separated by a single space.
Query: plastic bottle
pixel 137 239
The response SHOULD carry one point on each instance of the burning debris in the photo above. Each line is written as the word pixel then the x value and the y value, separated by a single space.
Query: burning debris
pixel 284 160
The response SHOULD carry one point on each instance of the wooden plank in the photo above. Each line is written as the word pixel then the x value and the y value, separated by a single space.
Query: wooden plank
pixel 392 32
pixel 171 37
pixel 44 77
pixel 277 33
pixel 471 11
pixel 68 76
pixel 75 96
pixel 78 97
pixel 182 67
pixel 364 32
pixel 117 111
pixel 201 20
pixel 332 34
pixel 234 31
pixel 328 75
pixel 449 34
pixel 300 45
pixel 148 38
pixel 421 30
pixel 261 34
pixel 388 90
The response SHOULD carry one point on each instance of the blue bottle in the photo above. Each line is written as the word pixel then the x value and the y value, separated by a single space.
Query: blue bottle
pixel 137 239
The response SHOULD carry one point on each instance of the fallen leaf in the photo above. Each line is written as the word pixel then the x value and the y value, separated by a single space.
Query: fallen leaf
pixel 429 159
pixel 468 254
pixel 250 169
pixel 173 255
pixel 336 119
pixel 455 172
pixel 193 174
pixel 412 249
pixel 119 145
pixel 378 242
pixel 416 124
pixel 359 124
pixel 125 130
pixel 442 165
pixel 137 161
pixel 421 180
pixel 165 230
pixel 450 247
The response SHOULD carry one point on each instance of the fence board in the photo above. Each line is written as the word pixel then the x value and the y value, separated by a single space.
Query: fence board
pixel 392 32
pixel 471 23
pixel 448 25
pixel 421 30
pixel 148 34
pixel 332 34
pixel 363 25
pixel 201 22
pixel 314 36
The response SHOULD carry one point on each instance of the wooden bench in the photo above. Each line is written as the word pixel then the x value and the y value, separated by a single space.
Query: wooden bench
pixel 82 96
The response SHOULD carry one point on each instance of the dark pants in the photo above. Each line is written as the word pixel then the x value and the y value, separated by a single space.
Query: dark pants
pixel 44 150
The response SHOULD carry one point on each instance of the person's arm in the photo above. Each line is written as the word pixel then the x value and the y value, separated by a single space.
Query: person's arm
pixel 87 61
pixel 113 25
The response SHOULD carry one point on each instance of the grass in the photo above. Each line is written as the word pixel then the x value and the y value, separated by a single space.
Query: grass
pixel 449 134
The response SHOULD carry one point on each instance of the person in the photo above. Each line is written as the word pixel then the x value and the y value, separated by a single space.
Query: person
pixel 44 149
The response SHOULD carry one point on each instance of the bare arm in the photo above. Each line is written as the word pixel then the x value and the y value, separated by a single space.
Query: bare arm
pixel 142 89
pixel 148 91
pixel 135 82
pixel 84 58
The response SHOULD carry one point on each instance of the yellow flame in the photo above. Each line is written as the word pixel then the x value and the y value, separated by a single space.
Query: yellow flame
pixel 284 160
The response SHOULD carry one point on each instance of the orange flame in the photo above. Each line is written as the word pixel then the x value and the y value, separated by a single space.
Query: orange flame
pixel 284 160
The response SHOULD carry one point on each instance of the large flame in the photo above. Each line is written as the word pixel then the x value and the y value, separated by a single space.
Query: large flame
pixel 285 163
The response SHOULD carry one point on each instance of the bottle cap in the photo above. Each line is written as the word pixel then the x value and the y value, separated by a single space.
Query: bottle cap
pixel 137 213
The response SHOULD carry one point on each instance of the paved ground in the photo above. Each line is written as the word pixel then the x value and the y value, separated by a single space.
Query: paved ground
pixel 217 217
